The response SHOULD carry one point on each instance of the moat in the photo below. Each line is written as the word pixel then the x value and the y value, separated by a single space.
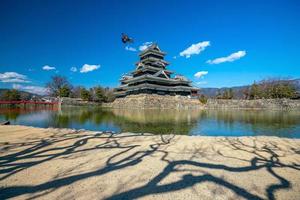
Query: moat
pixel 187 122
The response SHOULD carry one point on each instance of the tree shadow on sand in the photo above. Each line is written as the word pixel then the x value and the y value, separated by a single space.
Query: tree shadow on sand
pixel 264 156
pixel 188 180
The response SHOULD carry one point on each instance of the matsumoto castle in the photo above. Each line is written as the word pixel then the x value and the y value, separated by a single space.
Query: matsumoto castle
pixel 151 76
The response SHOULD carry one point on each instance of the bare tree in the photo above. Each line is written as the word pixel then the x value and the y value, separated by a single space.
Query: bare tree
pixel 58 85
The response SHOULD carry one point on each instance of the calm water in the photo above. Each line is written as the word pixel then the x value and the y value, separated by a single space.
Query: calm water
pixel 208 122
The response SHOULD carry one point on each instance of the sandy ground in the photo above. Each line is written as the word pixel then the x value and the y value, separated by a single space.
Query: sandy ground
pixel 69 164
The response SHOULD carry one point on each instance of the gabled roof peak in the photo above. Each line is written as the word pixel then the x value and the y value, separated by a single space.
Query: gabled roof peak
pixel 154 46
pixel 161 72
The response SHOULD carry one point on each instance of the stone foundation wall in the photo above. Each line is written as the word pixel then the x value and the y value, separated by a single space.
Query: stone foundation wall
pixel 269 104
pixel 154 101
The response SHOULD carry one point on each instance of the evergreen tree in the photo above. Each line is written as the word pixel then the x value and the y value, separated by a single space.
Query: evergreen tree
pixel 99 94
pixel 85 94
pixel 64 91
pixel 255 91
pixel 11 95
pixel 230 94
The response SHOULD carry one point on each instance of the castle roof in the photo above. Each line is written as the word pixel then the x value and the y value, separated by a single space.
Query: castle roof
pixel 154 49
pixel 152 76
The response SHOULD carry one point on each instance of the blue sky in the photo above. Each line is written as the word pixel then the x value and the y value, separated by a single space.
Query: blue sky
pixel 235 41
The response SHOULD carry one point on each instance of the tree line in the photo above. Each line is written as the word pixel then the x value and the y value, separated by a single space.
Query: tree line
pixel 265 89
pixel 59 86
pixel 271 89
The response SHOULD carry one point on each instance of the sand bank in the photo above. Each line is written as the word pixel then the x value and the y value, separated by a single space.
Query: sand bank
pixel 70 164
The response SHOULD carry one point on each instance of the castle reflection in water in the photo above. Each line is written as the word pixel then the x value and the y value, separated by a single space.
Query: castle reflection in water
pixel 184 122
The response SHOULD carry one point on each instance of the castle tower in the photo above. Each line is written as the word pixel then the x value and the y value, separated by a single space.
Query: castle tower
pixel 151 76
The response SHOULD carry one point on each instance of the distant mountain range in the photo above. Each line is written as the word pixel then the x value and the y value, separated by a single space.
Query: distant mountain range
pixel 212 92
pixel 238 90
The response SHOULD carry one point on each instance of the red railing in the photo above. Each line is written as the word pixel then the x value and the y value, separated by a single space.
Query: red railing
pixel 28 102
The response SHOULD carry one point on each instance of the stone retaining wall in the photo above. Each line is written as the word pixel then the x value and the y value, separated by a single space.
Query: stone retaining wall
pixel 154 101
pixel 270 104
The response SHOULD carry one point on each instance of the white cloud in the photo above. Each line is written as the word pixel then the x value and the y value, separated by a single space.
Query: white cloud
pixel 201 82
pixel 200 74
pixel 73 69
pixel 195 49
pixel 232 57
pixel 13 77
pixel 48 68
pixel 128 48
pixel 32 89
pixel 145 46
pixel 88 68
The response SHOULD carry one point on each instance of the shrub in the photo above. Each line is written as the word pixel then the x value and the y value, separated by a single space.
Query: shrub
pixel 203 99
